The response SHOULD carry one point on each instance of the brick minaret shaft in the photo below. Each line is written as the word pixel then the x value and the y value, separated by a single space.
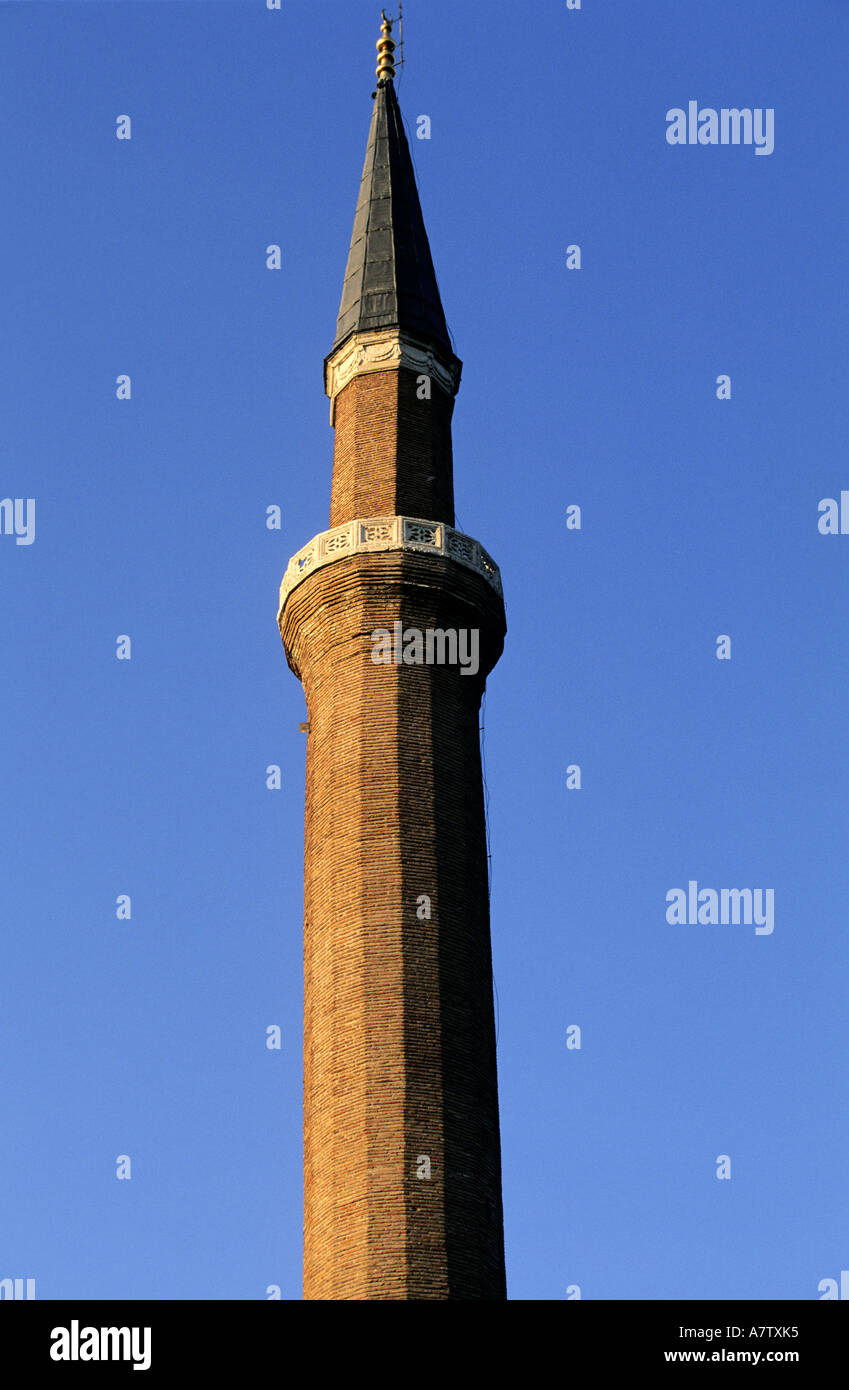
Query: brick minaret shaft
pixel 401 1137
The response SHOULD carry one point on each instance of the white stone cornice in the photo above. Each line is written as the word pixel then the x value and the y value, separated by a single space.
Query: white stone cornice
pixel 377 533
pixel 381 350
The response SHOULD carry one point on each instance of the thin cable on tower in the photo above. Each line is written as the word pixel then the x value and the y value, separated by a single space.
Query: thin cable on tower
pixel 400 60
pixel 482 732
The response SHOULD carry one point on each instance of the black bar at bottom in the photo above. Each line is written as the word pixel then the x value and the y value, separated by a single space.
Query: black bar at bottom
pixel 199 1339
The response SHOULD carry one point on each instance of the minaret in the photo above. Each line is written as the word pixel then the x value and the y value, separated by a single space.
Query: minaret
pixel 402 1168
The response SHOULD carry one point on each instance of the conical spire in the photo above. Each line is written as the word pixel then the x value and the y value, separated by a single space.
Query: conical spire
pixel 390 281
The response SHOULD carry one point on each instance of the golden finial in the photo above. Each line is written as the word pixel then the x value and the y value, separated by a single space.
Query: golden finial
pixel 385 50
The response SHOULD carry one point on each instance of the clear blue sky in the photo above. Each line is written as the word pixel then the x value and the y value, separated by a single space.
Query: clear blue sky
pixel 597 387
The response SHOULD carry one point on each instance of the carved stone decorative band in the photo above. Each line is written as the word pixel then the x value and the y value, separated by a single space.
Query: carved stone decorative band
pixel 380 350
pixel 375 533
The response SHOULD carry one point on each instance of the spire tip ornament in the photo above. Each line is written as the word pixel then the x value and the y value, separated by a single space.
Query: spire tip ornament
pixel 385 51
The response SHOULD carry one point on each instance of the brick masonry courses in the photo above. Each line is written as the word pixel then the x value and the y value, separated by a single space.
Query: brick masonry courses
pixel 393 451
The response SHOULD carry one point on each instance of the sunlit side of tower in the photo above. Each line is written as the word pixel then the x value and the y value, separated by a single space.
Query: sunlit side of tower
pixel 402 1173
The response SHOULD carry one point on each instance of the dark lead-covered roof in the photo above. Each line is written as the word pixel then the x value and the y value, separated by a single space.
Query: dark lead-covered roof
pixel 390 281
